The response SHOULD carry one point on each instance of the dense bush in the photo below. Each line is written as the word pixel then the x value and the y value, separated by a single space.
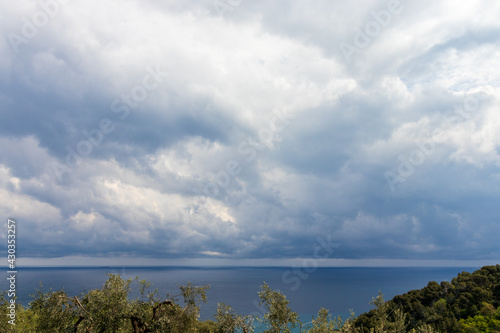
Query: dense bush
pixel 467 303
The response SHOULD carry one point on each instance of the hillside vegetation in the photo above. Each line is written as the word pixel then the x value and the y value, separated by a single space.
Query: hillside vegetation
pixel 469 303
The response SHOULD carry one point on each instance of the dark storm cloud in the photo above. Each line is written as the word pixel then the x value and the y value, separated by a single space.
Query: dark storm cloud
pixel 169 130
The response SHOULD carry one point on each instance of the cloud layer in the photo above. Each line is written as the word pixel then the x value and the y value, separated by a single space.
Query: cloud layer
pixel 249 129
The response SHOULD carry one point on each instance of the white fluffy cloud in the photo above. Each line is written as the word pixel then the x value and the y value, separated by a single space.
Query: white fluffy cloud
pixel 256 135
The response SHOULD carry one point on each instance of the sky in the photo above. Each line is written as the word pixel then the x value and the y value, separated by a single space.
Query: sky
pixel 240 132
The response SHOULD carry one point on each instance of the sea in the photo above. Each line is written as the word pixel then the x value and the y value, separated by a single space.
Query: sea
pixel 338 289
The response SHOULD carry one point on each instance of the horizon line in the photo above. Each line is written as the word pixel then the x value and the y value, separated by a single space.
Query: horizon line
pixel 137 262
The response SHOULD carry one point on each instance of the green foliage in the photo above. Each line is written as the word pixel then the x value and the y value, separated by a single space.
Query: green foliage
pixel 382 322
pixel 488 321
pixel 107 309
pixel 52 311
pixel 424 328
pixel 229 322
pixel 191 296
pixel 226 319
pixel 279 316
pixel 324 323
pixel 168 316
pixel 445 307
pixel 207 326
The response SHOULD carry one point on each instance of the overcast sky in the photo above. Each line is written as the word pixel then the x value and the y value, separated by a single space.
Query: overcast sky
pixel 251 130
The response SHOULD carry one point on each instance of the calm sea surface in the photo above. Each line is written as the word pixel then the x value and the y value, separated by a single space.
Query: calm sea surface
pixel 337 289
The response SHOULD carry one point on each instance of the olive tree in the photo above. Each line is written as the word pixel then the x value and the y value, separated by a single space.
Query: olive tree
pixel 229 322
pixel 279 317
pixel 53 311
